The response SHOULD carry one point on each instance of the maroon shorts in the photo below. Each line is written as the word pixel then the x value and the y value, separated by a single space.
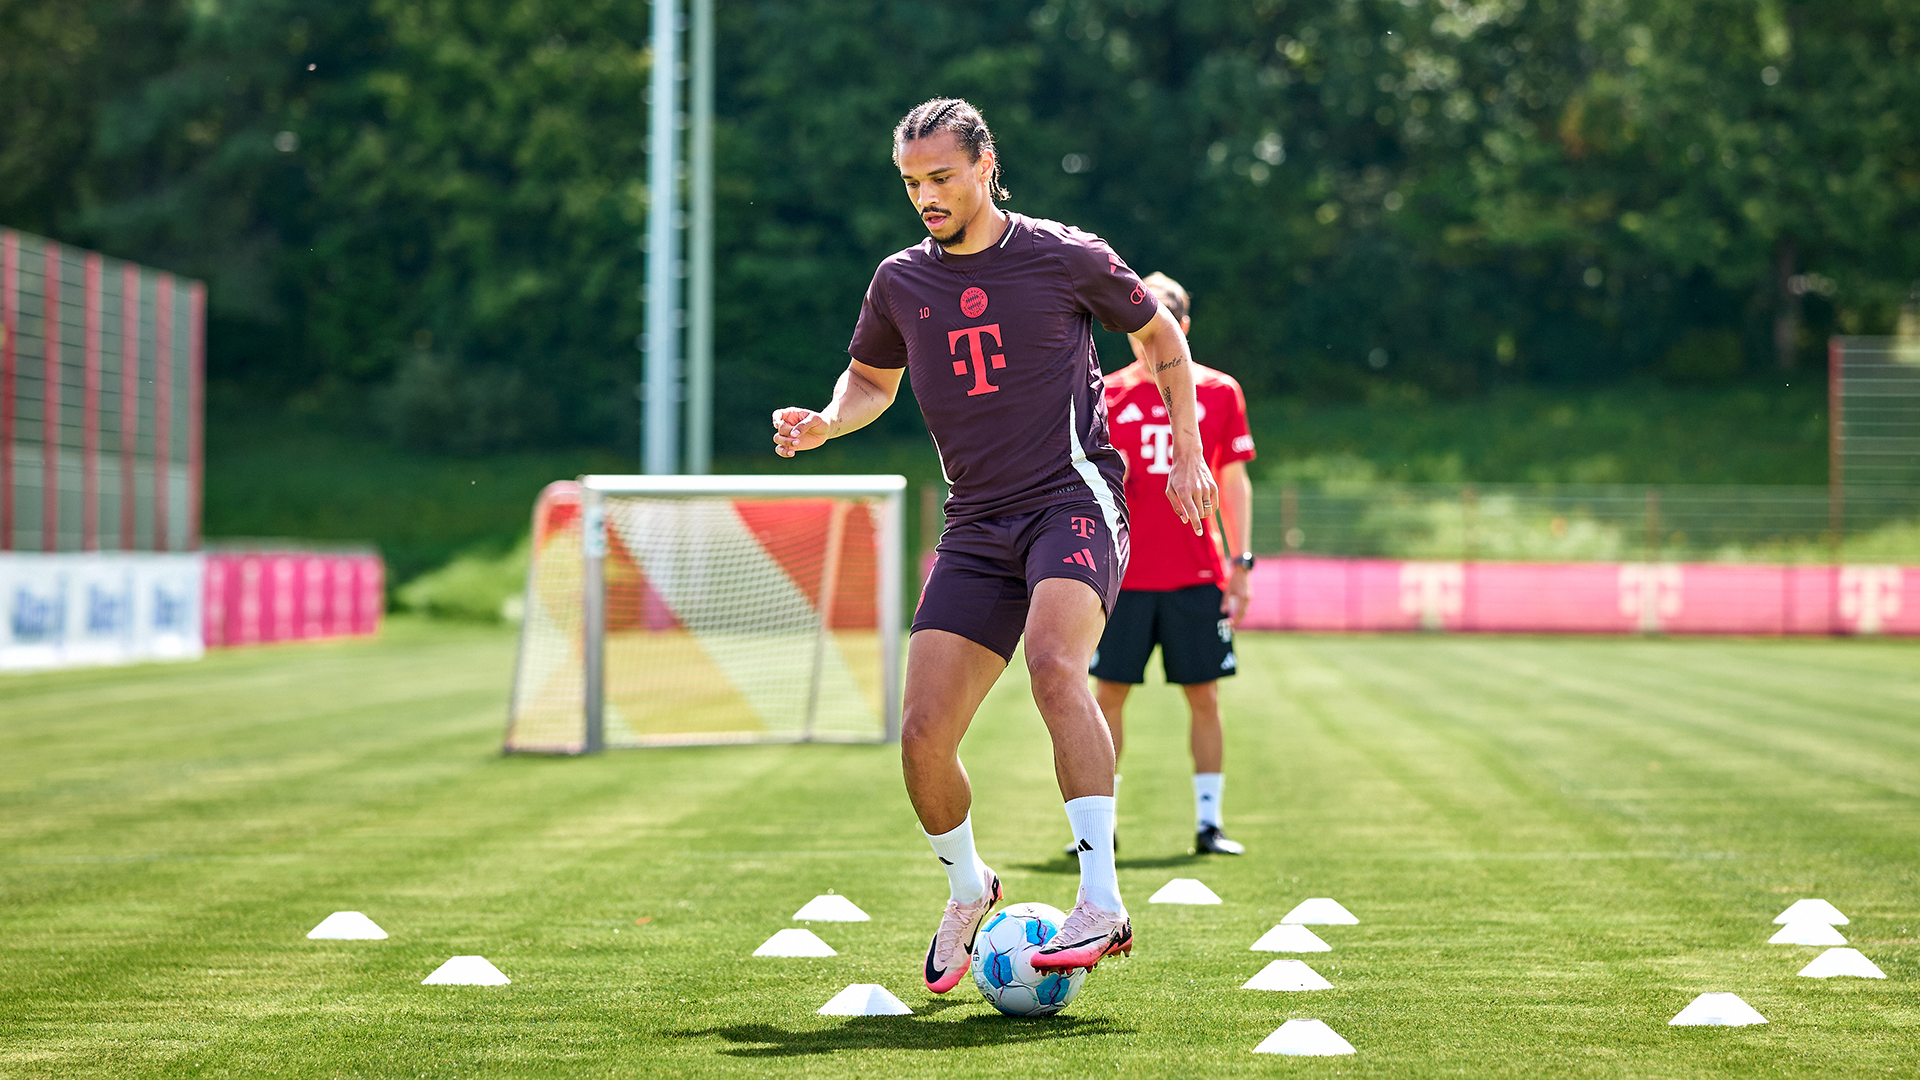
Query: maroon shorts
pixel 984 572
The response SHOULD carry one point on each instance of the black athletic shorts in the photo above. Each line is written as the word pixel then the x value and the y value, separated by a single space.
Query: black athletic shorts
pixel 1195 639
pixel 984 571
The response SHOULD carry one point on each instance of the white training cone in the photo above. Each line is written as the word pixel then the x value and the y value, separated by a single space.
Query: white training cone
pixel 346 926
pixel 1717 1010
pixel 1842 962
pixel 1183 890
pixel 1287 975
pixel 1811 911
pixel 1807 933
pixel 1290 937
pixel 1305 1038
pixel 466 971
pixel 865 999
pixel 794 941
pixel 831 907
pixel 1320 911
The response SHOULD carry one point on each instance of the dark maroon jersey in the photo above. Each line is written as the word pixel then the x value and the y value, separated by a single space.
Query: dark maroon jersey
pixel 999 350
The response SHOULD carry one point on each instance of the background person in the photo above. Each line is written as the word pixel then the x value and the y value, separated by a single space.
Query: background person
pixel 1179 593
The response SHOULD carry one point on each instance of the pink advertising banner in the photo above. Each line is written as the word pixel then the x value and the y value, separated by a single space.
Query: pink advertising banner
pixel 1303 593
pixel 261 596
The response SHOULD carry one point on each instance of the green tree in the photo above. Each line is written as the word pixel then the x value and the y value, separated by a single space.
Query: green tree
pixel 430 212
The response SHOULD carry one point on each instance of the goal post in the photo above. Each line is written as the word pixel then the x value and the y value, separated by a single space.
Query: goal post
pixel 681 610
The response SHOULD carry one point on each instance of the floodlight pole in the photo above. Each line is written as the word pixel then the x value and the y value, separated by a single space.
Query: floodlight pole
pixel 699 455
pixel 660 432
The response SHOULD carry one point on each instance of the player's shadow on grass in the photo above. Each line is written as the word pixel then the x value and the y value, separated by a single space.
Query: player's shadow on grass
pixel 901 1033
pixel 1065 865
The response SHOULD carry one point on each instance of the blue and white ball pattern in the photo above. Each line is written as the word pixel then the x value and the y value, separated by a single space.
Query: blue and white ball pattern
pixel 1002 968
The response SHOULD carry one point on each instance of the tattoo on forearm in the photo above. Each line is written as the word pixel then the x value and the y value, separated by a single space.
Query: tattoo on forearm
pixel 1173 363
pixel 1166 395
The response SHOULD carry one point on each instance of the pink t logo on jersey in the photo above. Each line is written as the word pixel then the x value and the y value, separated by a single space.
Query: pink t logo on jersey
pixel 977 352
pixel 1083 528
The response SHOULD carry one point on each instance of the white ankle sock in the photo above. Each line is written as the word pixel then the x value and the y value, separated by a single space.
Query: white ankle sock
pixel 1091 817
pixel 1206 799
pixel 966 874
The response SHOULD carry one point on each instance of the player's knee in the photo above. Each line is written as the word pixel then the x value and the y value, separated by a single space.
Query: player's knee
pixel 1056 670
pixel 922 735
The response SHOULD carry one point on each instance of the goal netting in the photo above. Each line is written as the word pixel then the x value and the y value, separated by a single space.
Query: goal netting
pixel 671 610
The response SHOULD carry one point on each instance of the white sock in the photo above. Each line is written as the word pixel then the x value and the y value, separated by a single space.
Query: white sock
pixel 966 874
pixel 1091 817
pixel 1206 799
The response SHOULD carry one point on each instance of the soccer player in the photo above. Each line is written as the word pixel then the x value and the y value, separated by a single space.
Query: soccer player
pixel 1173 594
pixel 993 315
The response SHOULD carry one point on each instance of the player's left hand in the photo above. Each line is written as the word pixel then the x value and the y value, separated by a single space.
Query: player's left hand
pixel 1238 596
pixel 1191 490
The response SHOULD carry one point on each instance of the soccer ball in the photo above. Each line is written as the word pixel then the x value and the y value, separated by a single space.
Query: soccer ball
pixel 1001 962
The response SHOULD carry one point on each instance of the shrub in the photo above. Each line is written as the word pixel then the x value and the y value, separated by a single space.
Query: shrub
pixel 476 586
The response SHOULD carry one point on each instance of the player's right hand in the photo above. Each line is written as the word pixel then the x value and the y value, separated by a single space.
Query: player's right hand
pixel 1191 490
pixel 795 430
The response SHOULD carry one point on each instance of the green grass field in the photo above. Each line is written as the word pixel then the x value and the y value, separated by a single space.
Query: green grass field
pixel 1552 846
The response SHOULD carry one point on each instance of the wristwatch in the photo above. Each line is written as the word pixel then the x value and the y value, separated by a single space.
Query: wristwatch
pixel 1244 560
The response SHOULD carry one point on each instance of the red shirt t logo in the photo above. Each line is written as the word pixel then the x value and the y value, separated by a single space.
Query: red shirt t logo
pixel 1156 447
pixel 1083 527
pixel 977 353
pixel 973 302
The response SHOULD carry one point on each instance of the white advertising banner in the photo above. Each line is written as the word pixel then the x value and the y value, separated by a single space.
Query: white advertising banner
pixel 70 610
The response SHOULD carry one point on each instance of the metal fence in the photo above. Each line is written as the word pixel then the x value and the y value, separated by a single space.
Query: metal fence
pixel 101 365
pixel 1568 522
pixel 1874 397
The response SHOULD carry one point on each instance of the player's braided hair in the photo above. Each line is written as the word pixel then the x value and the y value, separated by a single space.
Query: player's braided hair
pixel 967 125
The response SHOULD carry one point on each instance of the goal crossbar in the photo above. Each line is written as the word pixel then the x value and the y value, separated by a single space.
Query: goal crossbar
pixel 822 484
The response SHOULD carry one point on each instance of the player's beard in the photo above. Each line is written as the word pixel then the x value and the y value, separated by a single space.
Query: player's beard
pixel 959 235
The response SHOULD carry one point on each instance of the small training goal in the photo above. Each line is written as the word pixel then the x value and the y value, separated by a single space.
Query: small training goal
pixel 675 610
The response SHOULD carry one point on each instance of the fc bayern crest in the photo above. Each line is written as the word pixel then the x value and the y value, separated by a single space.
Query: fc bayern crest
pixel 973 302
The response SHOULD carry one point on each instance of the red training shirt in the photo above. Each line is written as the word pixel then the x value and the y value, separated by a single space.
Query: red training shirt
pixel 1166 554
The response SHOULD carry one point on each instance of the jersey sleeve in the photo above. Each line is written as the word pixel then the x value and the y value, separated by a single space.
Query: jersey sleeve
pixel 1105 285
pixel 1236 438
pixel 877 341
